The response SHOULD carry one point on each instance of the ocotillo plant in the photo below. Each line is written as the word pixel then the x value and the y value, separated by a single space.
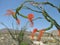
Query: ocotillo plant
pixel 30 17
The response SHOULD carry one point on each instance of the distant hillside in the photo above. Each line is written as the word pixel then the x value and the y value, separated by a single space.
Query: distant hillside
pixel 6 39
pixel 5 30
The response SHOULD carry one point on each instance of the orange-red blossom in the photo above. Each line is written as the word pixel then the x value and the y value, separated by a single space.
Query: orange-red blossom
pixel 59 32
pixel 34 31
pixel 41 32
pixel 30 18
pixel 10 12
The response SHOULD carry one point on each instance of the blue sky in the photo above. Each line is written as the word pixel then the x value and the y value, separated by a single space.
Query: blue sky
pixel 40 24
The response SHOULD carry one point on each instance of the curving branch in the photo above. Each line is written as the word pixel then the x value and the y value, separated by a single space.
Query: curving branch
pixel 45 3
pixel 20 7
pixel 49 27
pixel 50 19
pixel 48 3
pixel 32 9
pixel 22 15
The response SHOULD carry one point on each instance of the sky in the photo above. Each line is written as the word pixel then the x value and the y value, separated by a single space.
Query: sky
pixel 40 23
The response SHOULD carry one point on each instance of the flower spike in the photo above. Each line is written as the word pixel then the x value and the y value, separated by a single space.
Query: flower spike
pixel 40 34
pixel 33 32
pixel 30 18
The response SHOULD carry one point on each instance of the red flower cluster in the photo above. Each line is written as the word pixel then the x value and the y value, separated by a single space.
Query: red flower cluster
pixel 59 32
pixel 41 32
pixel 34 31
pixel 10 12
pixel 30 18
